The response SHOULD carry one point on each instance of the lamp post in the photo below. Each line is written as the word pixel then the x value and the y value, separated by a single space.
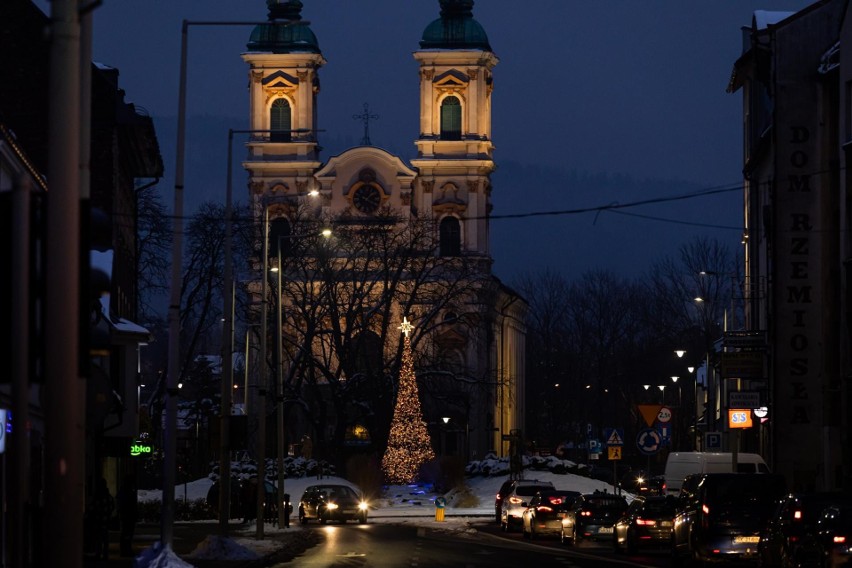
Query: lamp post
pixel 679 419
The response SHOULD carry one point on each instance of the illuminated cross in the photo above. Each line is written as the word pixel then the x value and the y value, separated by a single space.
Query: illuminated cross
pixel 406 326
pixel 366 116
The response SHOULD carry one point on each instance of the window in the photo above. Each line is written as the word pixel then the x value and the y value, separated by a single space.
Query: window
pixel 279 233
pixel 450 233
pixel 279 121
pixel 451 119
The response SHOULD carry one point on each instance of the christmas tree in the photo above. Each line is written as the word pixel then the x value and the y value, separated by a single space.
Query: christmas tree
pixel 409 445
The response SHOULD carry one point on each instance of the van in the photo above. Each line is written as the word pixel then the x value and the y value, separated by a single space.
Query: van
pixel 681 464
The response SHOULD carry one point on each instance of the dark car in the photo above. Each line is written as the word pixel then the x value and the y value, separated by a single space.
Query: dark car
pixel 244 499
pixel 789 535
pixel 721 515
pixel 544 514
pixel 514 497
pixel 641 483
pixel 646 524
pixel 833 541
pixel 332 503
pixel 591 517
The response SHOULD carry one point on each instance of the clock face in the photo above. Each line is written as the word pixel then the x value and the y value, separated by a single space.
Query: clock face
pixel 366 199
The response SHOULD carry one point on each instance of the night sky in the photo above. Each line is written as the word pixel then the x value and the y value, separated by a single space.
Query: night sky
pixel 616 89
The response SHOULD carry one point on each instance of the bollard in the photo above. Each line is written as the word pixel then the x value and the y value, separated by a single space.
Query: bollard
pixel 288 508
pixel 440 503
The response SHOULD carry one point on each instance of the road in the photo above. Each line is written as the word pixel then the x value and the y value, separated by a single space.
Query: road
pixel 390 545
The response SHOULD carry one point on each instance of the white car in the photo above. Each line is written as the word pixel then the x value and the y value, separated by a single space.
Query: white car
pixel 517 499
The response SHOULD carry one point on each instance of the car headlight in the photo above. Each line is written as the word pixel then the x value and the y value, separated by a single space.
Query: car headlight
pixel 331 506
pixel 362 506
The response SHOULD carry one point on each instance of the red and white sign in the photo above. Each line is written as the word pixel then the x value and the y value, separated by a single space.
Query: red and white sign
pixel 664 415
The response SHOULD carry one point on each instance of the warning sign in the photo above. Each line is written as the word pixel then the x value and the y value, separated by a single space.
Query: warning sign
pixel 614 453
pixel 649 412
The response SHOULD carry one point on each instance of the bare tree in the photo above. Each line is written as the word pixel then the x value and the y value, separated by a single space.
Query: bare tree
pixel 343 300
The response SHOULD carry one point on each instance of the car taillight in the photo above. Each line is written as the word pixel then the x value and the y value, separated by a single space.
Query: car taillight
pixel 544 508
pixel 585 513
pixel 515 500
pixel 839 539
pixel 645 522
pixel 555 500
pixel 797 515
pixel 705 509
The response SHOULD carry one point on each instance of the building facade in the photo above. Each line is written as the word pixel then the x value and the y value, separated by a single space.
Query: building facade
pixel 470 327
pixel 794 78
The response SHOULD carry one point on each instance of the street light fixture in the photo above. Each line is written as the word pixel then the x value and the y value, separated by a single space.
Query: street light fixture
pixel 680 353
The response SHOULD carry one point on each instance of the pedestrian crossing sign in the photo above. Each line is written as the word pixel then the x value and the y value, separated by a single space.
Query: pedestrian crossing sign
pixel 614 437
pixel 614 452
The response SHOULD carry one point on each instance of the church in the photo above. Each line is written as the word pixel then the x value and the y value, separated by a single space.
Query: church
pixel 402 238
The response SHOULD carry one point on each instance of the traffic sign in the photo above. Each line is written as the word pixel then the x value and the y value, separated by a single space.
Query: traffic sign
pixel 648 441
pixel 595 446
pixel 614 452
pixel 665 431
pixel 664 415
pixel 713 441
pixel 614 436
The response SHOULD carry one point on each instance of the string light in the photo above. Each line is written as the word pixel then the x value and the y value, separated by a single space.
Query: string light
pixel 409 444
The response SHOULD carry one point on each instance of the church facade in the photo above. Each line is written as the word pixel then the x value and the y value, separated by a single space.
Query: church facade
pixel 403 239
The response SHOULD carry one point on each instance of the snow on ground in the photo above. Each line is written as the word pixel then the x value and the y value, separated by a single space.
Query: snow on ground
pixel 408 504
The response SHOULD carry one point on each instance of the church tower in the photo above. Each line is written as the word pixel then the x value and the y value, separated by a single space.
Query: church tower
pixel 454 149
pixel 284 58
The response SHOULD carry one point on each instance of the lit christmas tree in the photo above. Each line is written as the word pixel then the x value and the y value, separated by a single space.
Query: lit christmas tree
pixel 409 445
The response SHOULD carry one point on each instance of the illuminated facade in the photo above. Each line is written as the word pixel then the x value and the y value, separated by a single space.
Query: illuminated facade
pixel 447 185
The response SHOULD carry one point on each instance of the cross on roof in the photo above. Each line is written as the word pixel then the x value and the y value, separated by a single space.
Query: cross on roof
pixel 366 116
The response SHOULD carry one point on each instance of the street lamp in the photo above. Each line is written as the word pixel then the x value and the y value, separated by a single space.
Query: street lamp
pixel 662 393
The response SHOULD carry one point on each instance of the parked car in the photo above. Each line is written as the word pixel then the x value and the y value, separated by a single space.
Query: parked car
pixel 544 514
pixel 514 497
pixel 244 499
pixel 646 524
pixel 592 516
pixel 833 542
pixel 332 503
pixel 790 533
pixel 721 515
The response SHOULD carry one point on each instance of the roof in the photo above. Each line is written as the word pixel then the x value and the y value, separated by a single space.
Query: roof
pixel 286 32
pixel 455 29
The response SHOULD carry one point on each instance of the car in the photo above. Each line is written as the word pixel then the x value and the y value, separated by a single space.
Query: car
pixel 329 502
pixel 591 517
pixel 788 537
pixel 244 499
pixel 721 516
pixel 638 482
pixel 646 524
pixel 513 499
pixel 544 514
pixel 833 540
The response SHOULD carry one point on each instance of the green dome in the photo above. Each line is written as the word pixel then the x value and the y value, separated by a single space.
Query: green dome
pixel 286 33
pixel 455 29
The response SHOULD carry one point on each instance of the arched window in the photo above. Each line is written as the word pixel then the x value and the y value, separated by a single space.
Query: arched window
pixel 450 233
pixel 279 233
pixel 279 121
pixel 451 119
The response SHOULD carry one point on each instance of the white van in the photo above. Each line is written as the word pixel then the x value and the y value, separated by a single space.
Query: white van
pixel 681 464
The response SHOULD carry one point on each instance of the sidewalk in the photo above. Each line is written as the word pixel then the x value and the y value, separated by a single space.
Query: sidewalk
pixel 186 538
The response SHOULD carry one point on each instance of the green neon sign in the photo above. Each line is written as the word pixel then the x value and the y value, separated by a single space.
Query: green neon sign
pixel 138 449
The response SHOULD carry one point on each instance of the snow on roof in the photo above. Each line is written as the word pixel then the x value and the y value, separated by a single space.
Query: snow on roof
pixel 103 262
pixel 765 18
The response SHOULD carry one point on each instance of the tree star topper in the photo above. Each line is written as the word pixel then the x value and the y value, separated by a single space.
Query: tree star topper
pixel 406 326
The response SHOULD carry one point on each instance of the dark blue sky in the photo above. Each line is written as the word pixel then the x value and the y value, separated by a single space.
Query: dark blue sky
pixel 626 87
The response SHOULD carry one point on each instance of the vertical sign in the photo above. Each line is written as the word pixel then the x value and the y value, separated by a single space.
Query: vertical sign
pixel 2 430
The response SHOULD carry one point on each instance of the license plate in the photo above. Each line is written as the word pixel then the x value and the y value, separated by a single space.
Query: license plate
pixel 349 511
pixel 605 530
pixel 666 524
pixel 561 515
pixel 746 539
